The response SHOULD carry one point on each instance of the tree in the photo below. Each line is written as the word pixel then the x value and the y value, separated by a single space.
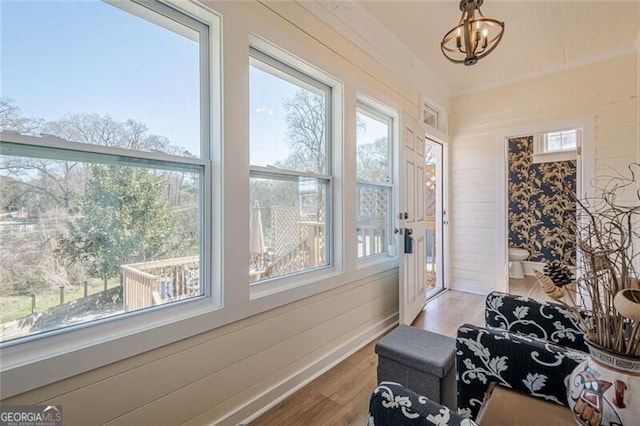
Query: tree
pixel 306 130
pixel 48 203
pixel 373 161
pixel 11 118
pixel 122 218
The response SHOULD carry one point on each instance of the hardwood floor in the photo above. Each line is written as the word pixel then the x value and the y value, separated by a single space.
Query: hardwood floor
pixel 449 310
pixel 341 396
pixel 528 286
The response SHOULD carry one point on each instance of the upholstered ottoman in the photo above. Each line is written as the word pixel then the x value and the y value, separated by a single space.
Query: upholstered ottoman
pixel 421 361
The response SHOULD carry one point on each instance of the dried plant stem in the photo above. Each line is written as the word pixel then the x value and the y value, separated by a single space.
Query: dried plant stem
pixel 633 340
pixel 609 260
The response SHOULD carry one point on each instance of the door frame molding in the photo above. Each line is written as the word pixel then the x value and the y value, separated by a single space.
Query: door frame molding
pixel 586 171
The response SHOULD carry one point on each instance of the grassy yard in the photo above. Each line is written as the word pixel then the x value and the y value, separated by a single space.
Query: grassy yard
pixel 16 307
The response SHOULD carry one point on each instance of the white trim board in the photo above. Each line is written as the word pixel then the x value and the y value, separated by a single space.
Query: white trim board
pixel 470 287
pixel 281 391
pixel 586 165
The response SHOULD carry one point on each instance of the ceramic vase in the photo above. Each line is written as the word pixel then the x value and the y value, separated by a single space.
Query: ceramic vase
pixel 605 389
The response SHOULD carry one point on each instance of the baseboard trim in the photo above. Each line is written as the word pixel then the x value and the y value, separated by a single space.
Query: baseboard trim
pixel 280 391
pixel 471 287
pixel 530 267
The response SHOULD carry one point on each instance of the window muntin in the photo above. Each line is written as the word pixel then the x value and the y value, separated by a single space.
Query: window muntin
pixel 290 180
pixel 89 201
pixel 374 185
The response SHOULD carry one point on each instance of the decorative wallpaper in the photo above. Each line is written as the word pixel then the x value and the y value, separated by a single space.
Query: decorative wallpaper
pixel 541 211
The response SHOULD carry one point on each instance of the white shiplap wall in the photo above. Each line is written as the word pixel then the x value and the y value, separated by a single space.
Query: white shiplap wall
pixel 606 91
pixel 211 375
pixel 227 374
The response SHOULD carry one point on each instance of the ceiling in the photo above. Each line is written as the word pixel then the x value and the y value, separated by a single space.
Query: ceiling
pixel 540 36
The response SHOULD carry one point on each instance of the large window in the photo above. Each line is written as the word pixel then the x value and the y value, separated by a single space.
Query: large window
pixel 290 173
pixel 103 154
pixel 375 183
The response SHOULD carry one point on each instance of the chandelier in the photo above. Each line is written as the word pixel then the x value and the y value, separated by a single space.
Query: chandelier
pixel 474 37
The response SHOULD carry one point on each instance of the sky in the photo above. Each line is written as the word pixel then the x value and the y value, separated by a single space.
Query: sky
pixel 86 56
pixel 62 57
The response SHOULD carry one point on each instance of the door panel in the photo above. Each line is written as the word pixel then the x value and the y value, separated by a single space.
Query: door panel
pixel 411 219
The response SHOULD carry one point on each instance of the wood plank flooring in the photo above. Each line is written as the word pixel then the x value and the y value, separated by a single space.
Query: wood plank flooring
pixel 341 396
pixel 528 286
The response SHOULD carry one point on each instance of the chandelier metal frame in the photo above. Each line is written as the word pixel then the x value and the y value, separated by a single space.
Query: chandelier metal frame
pixel 472 37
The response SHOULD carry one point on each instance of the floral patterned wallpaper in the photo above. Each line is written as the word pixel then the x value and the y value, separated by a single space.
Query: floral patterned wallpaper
pixel 541 211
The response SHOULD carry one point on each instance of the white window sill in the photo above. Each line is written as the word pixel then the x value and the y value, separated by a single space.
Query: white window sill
pixel 62 354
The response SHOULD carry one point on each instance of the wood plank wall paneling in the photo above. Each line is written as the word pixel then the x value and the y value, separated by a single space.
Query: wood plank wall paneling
pixel 208 376
pixel 341 396
pixel 607 91
pixel 257 353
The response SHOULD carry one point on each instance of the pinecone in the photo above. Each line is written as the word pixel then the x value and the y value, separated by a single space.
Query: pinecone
pixel 558 273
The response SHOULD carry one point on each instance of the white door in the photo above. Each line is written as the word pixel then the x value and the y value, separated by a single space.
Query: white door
pixel 411 223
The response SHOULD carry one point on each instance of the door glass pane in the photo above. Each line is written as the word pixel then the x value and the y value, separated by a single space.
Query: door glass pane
pixel 433 217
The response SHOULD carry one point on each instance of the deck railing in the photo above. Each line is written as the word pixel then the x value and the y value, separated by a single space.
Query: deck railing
pixel 372 238
pixel 152 283
pixel 308 253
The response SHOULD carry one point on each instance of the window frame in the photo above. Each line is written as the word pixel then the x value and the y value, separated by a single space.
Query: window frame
pixel 382 114
pixel 541 153
pixel 68 351
pixel 562 133
pixel 279 64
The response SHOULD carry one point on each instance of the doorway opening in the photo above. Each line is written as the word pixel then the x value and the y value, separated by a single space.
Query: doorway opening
pixel 541 173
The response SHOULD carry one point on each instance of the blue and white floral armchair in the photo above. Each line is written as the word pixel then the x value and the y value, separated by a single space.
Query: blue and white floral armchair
pixel 391 404
pixel 527 345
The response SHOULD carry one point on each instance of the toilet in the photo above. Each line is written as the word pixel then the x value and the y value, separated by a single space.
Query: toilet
pixel 516 256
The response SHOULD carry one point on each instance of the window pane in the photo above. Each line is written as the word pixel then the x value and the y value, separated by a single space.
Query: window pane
pixel 373 148
pixel 430 116
pixel 569 140
pixel 288 226
pixel 89 72
pixel 373 219
pixel 554 141
pixel 82 241
pixel 287 121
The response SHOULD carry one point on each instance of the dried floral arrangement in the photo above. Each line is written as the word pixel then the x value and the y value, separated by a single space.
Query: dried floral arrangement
pixel 607 289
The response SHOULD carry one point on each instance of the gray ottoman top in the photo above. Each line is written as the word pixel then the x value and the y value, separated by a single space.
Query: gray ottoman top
pixel 421 349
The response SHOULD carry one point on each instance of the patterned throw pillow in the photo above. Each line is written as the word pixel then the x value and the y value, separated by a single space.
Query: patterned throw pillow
pixel 559 273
